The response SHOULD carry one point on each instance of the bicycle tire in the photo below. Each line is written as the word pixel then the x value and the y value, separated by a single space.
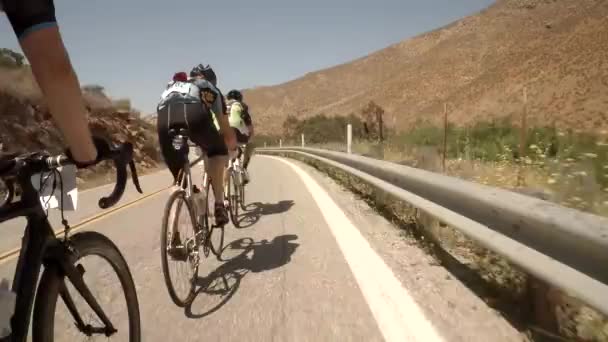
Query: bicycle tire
pixel 233 197
pixel 177 195
pixel 242 196
pixel 85 243
pixel 207 221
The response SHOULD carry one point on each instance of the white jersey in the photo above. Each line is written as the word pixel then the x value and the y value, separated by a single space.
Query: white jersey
pixel 189 92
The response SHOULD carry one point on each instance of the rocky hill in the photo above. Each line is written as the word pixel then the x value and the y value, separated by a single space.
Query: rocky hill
pixel 558 49
pixel 26 124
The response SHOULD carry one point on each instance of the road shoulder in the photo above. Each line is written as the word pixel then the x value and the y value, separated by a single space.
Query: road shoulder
pixel 453 308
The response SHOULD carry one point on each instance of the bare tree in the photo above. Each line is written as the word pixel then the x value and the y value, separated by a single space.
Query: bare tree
pixel 372 116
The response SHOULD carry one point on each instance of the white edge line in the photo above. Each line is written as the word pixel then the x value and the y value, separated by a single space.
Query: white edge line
pixel 398 316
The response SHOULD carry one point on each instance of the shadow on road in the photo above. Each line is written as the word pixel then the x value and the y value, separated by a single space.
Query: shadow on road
pixel 251 256
pixel 255 210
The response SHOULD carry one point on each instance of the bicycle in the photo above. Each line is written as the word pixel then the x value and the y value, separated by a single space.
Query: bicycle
pixel 174 247
pixel 62 258
pixel 235 187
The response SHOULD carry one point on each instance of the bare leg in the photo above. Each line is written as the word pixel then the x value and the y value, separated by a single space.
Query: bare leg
pixel 215 169
pixel 249 148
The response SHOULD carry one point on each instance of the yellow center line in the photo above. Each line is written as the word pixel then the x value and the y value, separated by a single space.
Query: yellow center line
pixel 15 251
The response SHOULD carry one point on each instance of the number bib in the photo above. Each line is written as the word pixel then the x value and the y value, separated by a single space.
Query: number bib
pixel 182 88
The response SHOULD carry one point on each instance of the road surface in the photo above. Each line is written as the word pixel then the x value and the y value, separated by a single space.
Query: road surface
pixel 310 263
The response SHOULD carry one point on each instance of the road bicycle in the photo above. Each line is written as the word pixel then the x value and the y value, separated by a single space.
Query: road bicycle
pixel 184 248
pixel 235 187
pixel 62 257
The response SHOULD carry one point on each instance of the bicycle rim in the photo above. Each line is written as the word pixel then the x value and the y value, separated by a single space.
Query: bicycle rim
pixel 242 193
pixel 234 198
pixel 52 282
pixel 186 257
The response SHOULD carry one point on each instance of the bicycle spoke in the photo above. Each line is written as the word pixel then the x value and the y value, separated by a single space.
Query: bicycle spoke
pixel 180 257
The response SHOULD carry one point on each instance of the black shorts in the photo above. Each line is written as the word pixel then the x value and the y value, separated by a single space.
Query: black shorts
pixel 199 123
pixel 240 137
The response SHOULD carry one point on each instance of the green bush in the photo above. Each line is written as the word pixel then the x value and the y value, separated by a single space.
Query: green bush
pixel 321 128
pixel 489 141
pixel 499 140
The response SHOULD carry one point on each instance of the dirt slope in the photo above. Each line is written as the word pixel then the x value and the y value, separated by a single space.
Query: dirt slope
pixel 26 124
pixel 558 49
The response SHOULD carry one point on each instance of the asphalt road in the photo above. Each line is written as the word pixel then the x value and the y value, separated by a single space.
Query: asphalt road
pixel 310 263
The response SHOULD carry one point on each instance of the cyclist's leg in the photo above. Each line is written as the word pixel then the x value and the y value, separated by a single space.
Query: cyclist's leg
pixel 249 148
pixel 243 139
pixel 206 136
pixel 232 155
pixel 172 158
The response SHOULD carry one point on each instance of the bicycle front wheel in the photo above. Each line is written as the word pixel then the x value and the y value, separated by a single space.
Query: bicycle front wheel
pixel 50 324
pixel 180 248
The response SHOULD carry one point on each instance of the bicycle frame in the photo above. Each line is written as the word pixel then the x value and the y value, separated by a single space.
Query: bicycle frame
pixel 186 180
pixel 39 247
pixel 236 164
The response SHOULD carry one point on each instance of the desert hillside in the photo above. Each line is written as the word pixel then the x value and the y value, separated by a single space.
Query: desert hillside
pixel 26 124
pixel 558 49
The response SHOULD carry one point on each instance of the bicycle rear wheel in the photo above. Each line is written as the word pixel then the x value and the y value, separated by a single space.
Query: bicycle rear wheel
pixel 182 249
pixel 53 283
pixel 209 217
pixel 242 192
pixel 233 197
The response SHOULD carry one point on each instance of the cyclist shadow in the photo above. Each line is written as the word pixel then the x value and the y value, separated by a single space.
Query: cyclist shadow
pixel 255 210
pixel 252 256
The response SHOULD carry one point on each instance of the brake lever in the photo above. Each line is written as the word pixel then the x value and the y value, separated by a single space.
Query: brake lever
pixel 119 156
pixel 134 176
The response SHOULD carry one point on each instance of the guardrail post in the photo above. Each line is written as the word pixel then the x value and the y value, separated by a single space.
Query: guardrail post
pixel 264 144
pixel 302 140
pixel 349 138
pixel 280 143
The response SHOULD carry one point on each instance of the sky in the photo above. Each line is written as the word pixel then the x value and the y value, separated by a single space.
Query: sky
pixel 133 47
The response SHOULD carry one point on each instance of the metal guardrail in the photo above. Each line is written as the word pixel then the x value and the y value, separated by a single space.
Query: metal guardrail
pixel 561 246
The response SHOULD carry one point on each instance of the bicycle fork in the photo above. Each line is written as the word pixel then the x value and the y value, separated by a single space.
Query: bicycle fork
pixel 65 257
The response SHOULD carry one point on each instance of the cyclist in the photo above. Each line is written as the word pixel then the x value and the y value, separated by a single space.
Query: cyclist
pixel 198 106
pixel 36 28
pixel 241 123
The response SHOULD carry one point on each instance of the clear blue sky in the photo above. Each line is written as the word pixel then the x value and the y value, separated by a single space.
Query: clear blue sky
pixel 132 47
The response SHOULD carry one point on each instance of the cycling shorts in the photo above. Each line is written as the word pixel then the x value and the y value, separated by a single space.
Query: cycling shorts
pixel 201 131
pixel 241 138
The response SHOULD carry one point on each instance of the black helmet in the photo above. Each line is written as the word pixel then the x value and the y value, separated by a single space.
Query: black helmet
pixel 205 71
pixel 234 95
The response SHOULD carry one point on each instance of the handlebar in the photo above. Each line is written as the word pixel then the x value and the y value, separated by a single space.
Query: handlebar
pixel 121 155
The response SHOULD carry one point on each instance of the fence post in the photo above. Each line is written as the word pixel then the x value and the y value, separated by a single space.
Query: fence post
pixel 264 144
pixel 445 134
pixel 523 139
pixel 280 143
pixel 349 138
pixel 302 139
